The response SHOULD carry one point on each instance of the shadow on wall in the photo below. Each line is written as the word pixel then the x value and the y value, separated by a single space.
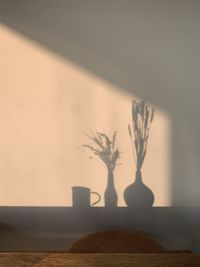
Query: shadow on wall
pixel 47 107
pixel 149 46
pixel 132 45
pixel 105 148
pixel 55 228
pixel 14 239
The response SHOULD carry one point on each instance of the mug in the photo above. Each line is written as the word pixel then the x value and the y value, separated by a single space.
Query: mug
pixel 81 196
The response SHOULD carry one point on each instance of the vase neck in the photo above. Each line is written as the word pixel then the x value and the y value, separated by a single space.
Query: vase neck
pixel 110 178
pixel 138 176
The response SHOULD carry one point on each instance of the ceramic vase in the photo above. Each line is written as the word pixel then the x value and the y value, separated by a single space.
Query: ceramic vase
pixel 110 195
pixel 137 194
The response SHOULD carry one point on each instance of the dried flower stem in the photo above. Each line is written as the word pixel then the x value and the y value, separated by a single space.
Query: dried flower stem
pixel 105 149
pixel 142 118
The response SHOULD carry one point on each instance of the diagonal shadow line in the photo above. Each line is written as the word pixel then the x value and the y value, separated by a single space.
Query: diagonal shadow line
pixel 47 24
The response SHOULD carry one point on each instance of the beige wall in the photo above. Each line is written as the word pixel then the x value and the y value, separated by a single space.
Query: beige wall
pixel 46 104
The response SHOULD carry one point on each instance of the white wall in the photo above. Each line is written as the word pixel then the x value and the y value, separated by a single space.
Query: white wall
pixel 46 106
pixel 146 48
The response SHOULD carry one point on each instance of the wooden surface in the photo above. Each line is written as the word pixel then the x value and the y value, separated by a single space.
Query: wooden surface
pixel 37 259
pixel 28 259
pixel 116 242
pixel 120 260
pixel 17 259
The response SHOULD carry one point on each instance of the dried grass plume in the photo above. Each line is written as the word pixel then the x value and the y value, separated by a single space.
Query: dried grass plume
pixel 142 117
pixel 105 148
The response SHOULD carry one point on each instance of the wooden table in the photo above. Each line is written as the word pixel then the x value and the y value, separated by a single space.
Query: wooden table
pixel 120 260
pixel 36 259
pixel 21 259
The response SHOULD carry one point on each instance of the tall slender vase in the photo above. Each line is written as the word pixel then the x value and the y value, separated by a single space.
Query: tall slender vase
pixel 138 195
pixel 110 195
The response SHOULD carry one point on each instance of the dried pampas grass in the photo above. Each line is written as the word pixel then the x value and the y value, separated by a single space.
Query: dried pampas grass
pixel 142 117
pixel 105 148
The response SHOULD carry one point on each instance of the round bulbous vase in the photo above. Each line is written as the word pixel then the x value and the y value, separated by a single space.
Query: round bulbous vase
pixel 137 194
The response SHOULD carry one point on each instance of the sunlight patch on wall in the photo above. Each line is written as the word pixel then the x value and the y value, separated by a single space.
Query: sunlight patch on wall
pixel 46 105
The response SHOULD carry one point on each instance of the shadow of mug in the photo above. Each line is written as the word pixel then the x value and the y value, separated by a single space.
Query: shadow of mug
pixel 81 197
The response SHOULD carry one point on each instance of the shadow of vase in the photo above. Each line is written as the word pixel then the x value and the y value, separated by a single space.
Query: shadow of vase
pixel 137 194
pixel 110 195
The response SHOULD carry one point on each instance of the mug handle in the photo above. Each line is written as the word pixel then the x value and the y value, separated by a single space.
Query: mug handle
pixel 97 200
